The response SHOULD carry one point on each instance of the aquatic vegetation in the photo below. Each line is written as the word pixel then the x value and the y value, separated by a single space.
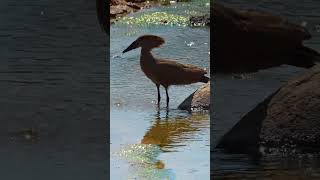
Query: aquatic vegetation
pixel 143 158
pixel 141 153
pixel 156 18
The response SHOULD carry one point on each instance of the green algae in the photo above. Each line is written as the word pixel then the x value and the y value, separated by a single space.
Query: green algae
pixel 144 162
pixel 156 18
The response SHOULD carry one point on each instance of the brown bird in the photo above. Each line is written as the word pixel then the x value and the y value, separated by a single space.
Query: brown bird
pixel 164 72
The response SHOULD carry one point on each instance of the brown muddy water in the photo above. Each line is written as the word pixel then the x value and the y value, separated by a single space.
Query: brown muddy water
pixel 235 95
pixel 53 91
pixel 146 142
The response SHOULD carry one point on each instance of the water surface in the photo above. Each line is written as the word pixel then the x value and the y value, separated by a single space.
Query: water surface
pixel 53 79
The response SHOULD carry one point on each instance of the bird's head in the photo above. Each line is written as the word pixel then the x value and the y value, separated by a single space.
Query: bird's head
pixel 146 41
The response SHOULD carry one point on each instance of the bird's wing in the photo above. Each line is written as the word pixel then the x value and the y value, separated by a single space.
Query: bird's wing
pixel 176 67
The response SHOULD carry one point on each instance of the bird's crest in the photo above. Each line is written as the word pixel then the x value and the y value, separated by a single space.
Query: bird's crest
pixel 147 42
pixel 150 41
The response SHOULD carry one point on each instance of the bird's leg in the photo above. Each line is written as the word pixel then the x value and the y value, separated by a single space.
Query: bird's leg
pixel 167 96
pixel 159 97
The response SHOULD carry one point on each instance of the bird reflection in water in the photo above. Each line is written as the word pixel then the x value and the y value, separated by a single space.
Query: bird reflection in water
pixel 171 132
pixel 167 133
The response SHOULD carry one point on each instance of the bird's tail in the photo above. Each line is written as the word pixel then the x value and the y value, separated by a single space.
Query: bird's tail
pixel 204 79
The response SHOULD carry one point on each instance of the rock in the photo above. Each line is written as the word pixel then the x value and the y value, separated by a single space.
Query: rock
pixel 118 10
pixel 117 2
pixel 123 7
pixel 257 40
pixel 133 5
pixel 199 100
pixel 290 118
pixel 200 20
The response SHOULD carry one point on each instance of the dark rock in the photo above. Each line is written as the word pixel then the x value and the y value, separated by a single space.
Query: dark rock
pixel 248 40
pixel 244 136
pixel 133 5
pixel 288 118
pixel 200 20
pixel 197 101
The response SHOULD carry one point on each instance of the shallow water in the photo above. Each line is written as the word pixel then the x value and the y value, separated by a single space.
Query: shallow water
pixel 52 79
pixel 147 142
pixel 235 95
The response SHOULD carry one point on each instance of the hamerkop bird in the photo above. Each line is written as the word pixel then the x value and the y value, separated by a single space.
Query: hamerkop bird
pixel 164 72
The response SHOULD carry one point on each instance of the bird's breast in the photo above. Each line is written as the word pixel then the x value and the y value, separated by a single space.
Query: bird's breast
pixel 149 70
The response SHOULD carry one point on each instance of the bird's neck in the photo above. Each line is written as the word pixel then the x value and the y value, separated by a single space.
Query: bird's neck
pixel 146 56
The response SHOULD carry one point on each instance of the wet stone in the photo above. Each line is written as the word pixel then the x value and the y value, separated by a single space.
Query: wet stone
pixel 197 101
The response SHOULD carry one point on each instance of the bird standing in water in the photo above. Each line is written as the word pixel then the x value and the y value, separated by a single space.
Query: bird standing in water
pixel 164 72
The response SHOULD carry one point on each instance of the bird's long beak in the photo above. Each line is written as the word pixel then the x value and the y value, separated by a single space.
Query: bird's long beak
pixel 133 45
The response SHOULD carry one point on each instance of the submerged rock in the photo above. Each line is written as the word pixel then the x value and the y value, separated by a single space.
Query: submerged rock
pixel 200 20
pixel 249 40
pixel 288 118
pixel 197 101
